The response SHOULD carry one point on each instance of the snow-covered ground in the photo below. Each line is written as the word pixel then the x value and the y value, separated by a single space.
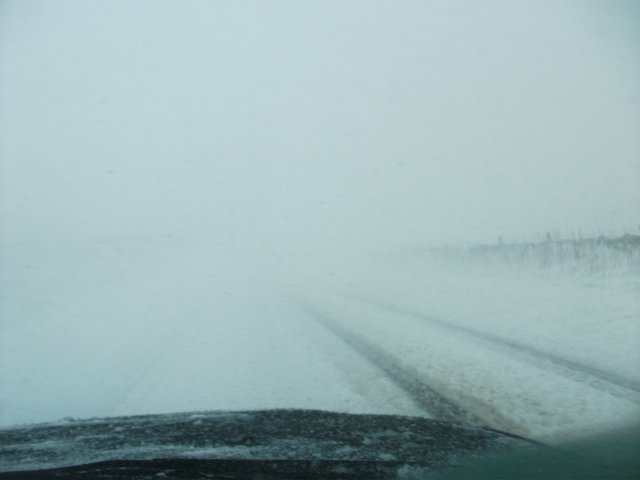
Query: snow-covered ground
pixel 117 328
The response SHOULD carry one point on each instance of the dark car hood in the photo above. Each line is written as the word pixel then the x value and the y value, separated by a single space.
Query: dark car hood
pixel 250 444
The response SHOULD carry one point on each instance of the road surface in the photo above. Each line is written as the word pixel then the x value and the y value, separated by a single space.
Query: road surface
pixel 104 332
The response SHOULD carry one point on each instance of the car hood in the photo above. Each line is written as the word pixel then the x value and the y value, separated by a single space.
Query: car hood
pixel 308 437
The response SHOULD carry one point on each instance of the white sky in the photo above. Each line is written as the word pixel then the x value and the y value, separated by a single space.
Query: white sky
pixel 302 126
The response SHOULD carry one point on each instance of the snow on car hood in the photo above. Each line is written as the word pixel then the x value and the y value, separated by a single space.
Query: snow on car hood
pixel 256 435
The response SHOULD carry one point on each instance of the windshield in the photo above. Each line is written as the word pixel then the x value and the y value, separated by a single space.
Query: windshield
pixel 410 208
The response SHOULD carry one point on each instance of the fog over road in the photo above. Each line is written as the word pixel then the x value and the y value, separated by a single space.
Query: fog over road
pixel 212 205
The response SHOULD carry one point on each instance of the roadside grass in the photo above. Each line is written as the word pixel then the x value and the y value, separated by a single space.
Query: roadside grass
pixel 601 255
pixel 596 257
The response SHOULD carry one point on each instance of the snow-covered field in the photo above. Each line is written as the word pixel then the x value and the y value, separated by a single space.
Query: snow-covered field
pixel 132 327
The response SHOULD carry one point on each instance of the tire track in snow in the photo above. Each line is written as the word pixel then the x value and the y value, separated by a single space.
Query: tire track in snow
pixel 406 378
pixel 600 374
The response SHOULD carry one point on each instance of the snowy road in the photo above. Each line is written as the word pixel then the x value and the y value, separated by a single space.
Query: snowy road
pixel 101 330
pixel 529 353
pixel 457 375
pixel 106 332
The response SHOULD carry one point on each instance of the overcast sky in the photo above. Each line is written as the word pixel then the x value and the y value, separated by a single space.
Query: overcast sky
pixel 319 124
